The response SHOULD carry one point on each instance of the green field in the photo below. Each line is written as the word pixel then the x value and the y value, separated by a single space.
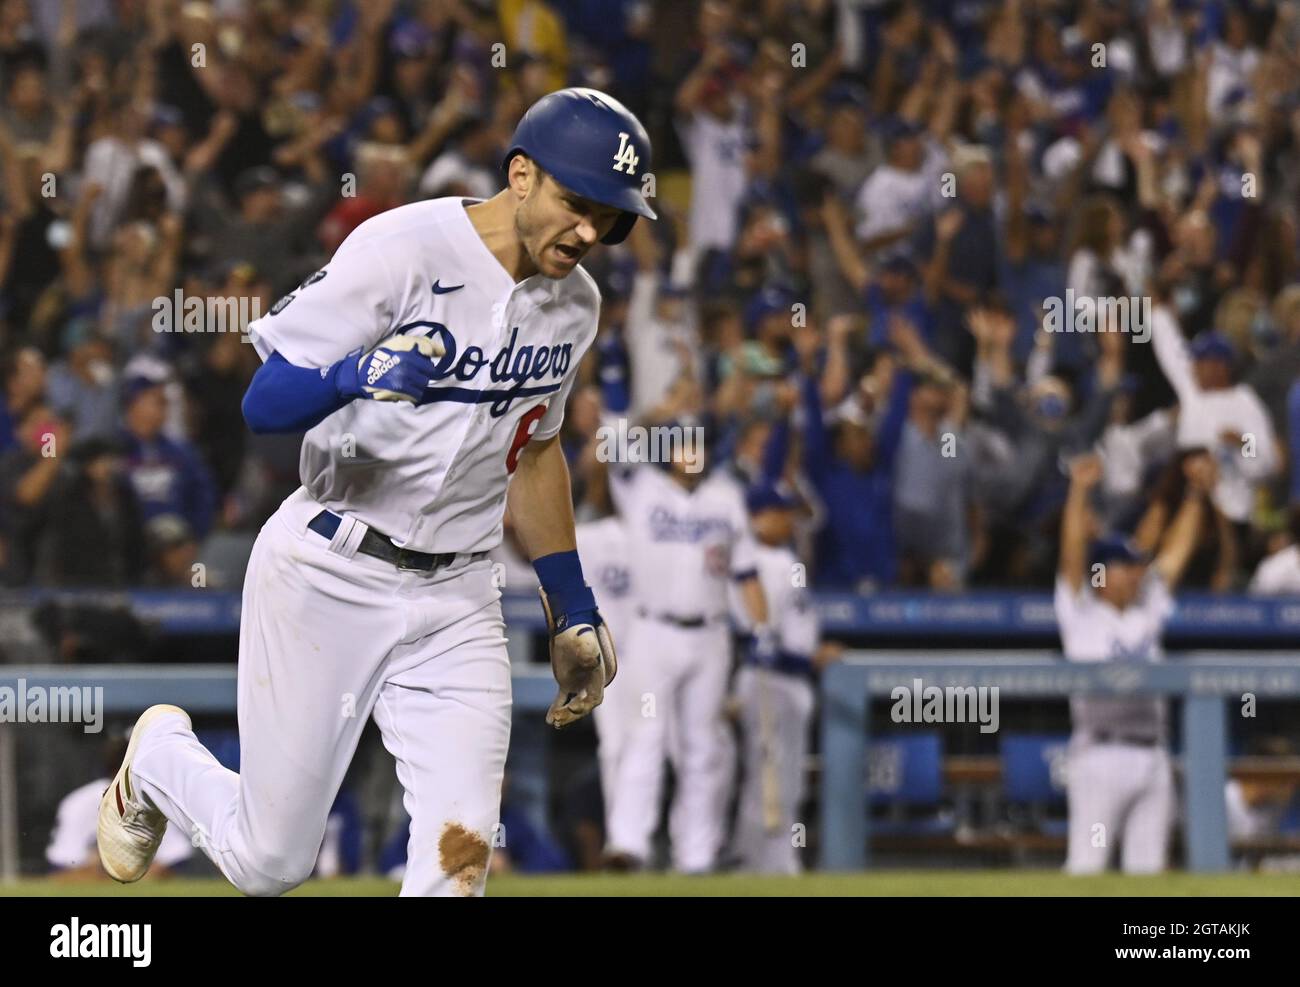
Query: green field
pixel 887 883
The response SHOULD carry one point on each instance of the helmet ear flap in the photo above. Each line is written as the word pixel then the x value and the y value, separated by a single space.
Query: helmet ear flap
pixel 621 228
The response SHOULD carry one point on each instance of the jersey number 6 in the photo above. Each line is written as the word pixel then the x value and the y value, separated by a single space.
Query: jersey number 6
pixel 527 426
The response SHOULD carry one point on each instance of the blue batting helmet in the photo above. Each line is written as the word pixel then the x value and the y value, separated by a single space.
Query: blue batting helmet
pixel 593 146
pixel 1117 548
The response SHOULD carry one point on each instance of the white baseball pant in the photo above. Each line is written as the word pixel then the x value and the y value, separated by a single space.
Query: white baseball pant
pixel 677 678
pixel 1118 793
pixel 611 718
pixel 327 638
pixel 786 702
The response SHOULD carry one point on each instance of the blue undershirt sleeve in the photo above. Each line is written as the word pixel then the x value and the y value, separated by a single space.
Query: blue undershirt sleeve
pixel 283 397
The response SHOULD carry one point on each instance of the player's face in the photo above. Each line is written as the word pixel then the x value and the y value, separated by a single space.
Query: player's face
pixel 557 227
pixel 687 465
pixel 774 525
pixel 1123 581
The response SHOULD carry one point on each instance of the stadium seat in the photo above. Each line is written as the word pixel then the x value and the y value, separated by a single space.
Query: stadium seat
pixel 1033 777
pixel 1033 768
pixel 905 772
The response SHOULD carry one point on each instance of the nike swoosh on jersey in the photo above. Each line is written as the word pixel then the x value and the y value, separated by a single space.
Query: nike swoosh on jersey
pixel 440 290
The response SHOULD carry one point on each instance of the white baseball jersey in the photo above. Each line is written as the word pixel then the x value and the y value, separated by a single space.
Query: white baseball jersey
pixel 603 549
pixel 433 478
pixel 1093 630
pixel 686 545
pixel 789 608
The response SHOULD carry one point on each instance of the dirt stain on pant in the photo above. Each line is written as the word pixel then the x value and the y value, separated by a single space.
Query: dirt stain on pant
pixel 463 855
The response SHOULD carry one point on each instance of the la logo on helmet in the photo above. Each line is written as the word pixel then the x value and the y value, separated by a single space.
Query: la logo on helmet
pixel 626 155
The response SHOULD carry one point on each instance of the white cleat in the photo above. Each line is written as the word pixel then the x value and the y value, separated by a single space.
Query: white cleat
pixel 130 829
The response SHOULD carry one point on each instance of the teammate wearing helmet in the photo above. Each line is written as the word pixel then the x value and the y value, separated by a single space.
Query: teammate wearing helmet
pixel 428 363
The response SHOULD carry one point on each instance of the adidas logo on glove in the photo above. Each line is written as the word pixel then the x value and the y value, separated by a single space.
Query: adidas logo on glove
pixel 398 369
pixel 378 368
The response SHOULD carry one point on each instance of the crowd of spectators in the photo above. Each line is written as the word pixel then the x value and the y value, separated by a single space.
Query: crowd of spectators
pixel 875 216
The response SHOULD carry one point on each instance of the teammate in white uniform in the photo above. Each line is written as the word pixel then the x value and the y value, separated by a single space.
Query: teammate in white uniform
pixel 689 537
pixel 603 546
pixel 776 698
pixel 369 590
pixel 1113 606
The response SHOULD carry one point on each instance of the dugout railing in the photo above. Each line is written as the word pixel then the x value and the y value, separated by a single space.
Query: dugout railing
pixel 1209 686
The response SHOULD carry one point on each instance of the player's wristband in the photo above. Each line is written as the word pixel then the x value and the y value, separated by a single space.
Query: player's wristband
pixel 568 593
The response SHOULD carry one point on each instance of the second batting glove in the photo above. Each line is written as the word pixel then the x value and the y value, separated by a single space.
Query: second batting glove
pixel 582 651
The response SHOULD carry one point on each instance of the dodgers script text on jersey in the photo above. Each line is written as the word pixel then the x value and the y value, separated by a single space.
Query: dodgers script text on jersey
pixel 435 481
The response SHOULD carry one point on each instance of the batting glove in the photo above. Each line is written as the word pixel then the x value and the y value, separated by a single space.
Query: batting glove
pixel 583 663
pixel 582 651
pixel 398 369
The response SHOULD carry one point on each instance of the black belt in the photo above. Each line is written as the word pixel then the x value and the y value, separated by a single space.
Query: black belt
pixel 326 523
pixel 1106 737
pixel 690 623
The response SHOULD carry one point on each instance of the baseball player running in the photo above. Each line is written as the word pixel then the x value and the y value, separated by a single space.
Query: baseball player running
pixel 689 536
pixel 429 363
pixel 1113 607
